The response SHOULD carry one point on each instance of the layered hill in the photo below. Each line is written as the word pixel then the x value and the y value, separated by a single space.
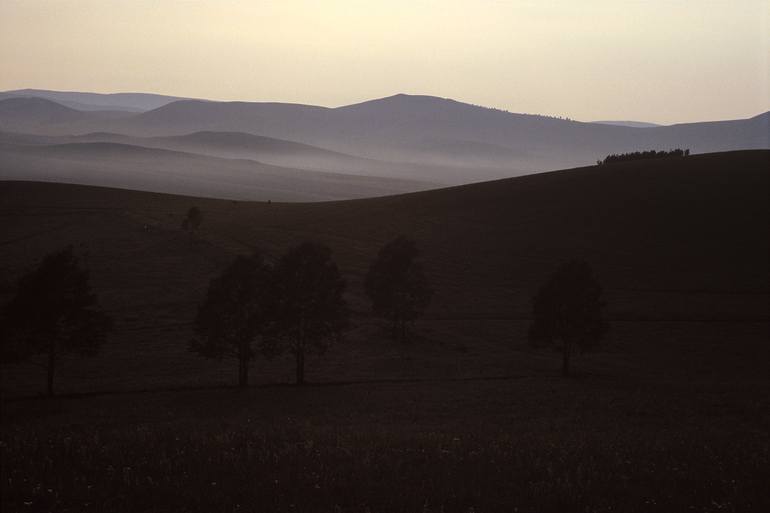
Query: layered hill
pixel 27 114
pixel 267 150
pixel 159 170
pixel 420 128
pixel 131 102
pixel 469 142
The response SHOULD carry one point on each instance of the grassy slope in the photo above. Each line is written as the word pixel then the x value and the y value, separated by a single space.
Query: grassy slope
pixel 671 240
pixel 673 416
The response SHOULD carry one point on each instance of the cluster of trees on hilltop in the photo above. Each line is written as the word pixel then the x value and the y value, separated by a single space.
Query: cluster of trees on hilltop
pixel 293 305
pixel 641 155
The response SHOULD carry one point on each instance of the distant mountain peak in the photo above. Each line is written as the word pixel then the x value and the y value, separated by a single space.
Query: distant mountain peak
pixel 34 104
pixel 133 102
pixel 32 100
pixel 419 97
pixel 404 99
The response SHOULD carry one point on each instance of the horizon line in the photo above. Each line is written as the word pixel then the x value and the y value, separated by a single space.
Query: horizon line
pixel 606 120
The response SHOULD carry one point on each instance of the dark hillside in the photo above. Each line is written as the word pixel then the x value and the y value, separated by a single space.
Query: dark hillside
pixel 678 244
pixel 672 415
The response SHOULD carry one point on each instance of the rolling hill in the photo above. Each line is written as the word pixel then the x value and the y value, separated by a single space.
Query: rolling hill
pixel 131 102
pixel 420 129
pixel 267 150
pixel 159 170
pixel 679 245
pixel 26 114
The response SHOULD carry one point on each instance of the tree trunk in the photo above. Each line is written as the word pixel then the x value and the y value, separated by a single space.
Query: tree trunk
pixel 300 365
pixel 243 365
pixel 566 353
pixel 51 370
pixel 243 372
pixel 300 354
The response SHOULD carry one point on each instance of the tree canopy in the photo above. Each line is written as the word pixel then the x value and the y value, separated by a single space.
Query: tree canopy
pixel 54 312
pixel 397 286
pixel 310 312
pixel 567 311
pixel 234 313
pixel 192 220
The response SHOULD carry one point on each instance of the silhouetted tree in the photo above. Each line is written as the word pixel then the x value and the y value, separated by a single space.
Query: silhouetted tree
pixel 310 311
pixel 192 220
pixel 54 313
pixel 567 311
pixel 234 313
pixel 397 286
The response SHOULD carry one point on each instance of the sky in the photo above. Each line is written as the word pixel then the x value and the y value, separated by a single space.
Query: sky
pixel 662 61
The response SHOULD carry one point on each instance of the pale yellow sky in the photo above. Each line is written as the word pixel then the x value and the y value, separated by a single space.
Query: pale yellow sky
pixel 657 60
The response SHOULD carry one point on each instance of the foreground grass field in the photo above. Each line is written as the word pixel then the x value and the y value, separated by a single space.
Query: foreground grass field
pixel 530 444
pixel 671 416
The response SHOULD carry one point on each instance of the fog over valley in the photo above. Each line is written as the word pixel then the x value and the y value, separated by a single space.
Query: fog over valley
pixel 400 143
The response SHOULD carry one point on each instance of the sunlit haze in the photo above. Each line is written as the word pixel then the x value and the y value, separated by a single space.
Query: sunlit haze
pixel 662 61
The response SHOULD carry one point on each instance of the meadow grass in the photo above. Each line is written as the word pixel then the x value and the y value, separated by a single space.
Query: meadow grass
pixel 534 444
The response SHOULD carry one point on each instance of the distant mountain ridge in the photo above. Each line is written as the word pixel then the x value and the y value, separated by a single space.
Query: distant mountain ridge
pixel 32 114
pixel 132 102
pixel 634 124
pixel 424 138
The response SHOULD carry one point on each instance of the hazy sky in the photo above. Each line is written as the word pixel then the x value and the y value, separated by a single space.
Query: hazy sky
pixel 653 60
